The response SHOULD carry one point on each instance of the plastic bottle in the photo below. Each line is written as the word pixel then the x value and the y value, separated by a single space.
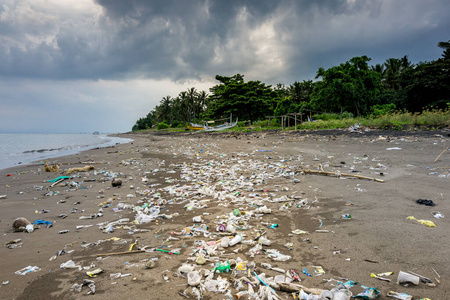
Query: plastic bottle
pixel 29 228
pixel 236 240
pixel 222 267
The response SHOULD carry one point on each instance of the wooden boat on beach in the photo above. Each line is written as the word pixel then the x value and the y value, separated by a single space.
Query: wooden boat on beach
pixel 206 127
pixel 193 126
pixel 221 127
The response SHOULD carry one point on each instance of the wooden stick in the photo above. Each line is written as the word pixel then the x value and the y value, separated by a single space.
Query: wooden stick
pixel 121 253
pixel 441 154
pixel 341 174
pixel 58 181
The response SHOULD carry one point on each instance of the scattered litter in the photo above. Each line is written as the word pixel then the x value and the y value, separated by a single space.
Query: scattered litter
pixel 86 282
pixel 17 243
pixel 27 270
pixel 401 296
pixel 425 202
pixel 437 215
pixel 424 222
pixel 404 277
pixel 94 273
pixel 70 264
pixel 298 231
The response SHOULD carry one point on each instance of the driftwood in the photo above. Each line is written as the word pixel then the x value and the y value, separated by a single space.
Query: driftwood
pixel 441 154
pixel 121 253
pixel 58 181
pixel 82 169
pixel 341 174
pixel 292 288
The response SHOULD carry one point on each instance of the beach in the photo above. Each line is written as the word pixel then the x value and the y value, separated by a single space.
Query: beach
pixel 188 175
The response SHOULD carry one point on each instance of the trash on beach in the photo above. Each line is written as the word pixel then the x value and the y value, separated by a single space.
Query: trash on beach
pixel 47 224
pixel 276 255
pixel 401 296
pixel 394 148
pixel 425 202
pixel 379 277
pixel 86 282
pixel 437 215
pixel 346 217
pixel 369 293
pixel 424 222
pixel 58 179
pixel 341 175
pixel 298 231
pixel 118 275
pixel 194 278
pixel 70 264
pixel 94 273
pixel 27 270
pixel 17 243
pixel 404 277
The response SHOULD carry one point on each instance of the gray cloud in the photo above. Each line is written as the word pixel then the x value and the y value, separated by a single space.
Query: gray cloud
pixel 193 39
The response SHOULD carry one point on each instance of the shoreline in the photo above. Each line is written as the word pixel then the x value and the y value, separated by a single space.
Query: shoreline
pixel 49 155
pixel 378 230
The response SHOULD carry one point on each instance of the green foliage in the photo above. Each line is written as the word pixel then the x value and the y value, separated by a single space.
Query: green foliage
pixel 144 123
pixel 351 86
pixel 250 100
pixel 382 109
pixel 332 116
pixel 425 85
pixel 176 124
pixel 162 125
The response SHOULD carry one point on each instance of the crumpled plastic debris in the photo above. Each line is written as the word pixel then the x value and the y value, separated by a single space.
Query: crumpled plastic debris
pixel 86 282
pixel 424 222
pixel 70 264
pixel 276 255
pixel 27 270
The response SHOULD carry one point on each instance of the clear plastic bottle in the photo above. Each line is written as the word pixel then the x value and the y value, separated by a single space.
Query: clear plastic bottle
pixel 236 240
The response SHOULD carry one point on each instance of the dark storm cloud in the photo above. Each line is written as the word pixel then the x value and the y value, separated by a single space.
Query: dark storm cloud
pixel 279 41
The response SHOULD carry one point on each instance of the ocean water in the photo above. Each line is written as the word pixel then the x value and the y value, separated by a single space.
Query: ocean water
pixel 19 149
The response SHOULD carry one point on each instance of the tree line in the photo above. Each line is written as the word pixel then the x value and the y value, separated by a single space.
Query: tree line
pixel 352 87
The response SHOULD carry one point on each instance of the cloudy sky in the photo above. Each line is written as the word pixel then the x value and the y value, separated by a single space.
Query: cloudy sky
pixel 69 66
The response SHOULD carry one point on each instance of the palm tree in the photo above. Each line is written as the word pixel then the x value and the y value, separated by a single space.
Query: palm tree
pixel 446 47
pixel 379 68
pixel 202 100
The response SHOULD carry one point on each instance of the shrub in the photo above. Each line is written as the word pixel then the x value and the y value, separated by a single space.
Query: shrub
pixel 382 109
pixel 162 125
pixel 175 124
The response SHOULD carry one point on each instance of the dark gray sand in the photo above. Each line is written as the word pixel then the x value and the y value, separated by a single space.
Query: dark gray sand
pixel 235 171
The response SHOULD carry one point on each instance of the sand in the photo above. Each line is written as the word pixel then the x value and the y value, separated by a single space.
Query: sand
pixel 378 237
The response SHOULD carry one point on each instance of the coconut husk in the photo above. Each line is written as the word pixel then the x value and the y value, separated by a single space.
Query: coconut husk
pixel 116 182
pixel 20 223
pixel 51 168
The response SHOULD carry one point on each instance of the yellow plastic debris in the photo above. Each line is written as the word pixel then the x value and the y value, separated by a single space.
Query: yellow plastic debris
pixel 424 222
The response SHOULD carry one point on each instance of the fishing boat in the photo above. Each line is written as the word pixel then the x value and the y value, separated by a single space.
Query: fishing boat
pixel 207 127
pixel 193 126
pixel 221 127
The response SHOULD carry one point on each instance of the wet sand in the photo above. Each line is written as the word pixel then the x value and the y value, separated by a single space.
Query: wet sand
pixel 222 172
